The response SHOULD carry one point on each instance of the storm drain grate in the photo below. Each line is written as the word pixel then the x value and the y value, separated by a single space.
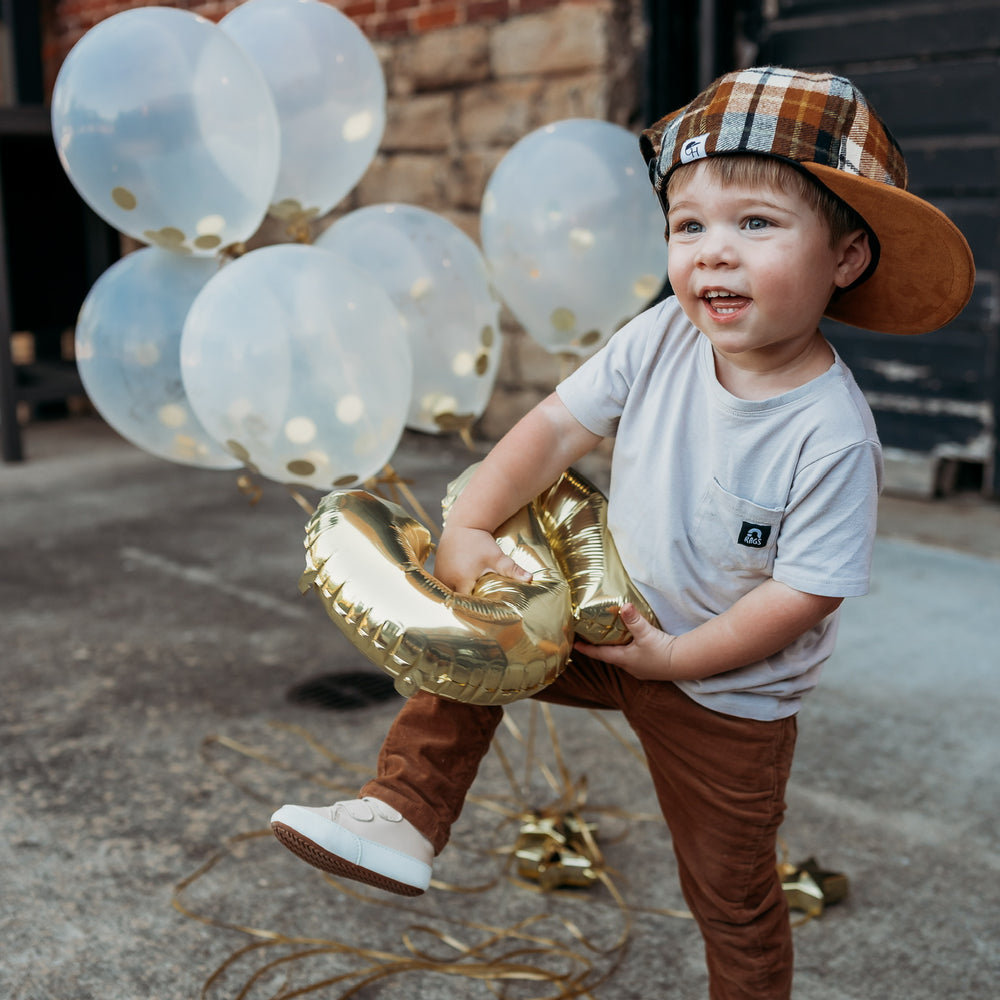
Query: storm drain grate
pixel 344 691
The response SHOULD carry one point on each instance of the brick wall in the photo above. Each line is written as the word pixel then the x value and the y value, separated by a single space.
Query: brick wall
pixel 379 19
pixel 465 80
pixel 392 18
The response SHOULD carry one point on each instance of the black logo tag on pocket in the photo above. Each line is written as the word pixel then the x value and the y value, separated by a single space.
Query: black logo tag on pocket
pixel 754 535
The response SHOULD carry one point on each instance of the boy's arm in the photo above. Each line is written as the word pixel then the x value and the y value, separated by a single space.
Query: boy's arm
pixel 526 460
pixel 759 624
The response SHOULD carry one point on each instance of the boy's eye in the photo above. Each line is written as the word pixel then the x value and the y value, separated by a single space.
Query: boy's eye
pixel 687 227
pixel 756 222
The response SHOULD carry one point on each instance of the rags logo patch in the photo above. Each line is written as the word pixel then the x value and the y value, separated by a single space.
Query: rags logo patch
pixel 694 149
pixel 754 536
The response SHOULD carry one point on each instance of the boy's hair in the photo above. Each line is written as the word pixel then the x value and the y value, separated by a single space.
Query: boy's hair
pixel 778 175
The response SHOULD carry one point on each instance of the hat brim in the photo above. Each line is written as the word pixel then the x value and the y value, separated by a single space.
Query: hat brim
pixel 925 274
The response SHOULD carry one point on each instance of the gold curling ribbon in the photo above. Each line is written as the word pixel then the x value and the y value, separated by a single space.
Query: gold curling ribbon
pixel 460 423
pixel 550 949
pixel 251 489
pixel 401 490
pixel 300 231
pixel 301 500
pixel 473 961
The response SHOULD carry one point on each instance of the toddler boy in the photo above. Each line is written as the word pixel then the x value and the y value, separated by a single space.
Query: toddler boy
pixel 744 485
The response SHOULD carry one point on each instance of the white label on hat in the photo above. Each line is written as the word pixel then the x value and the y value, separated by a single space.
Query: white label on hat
pixel 694 149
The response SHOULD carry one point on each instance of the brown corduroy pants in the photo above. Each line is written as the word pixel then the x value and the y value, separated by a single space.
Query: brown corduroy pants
pixel 720 782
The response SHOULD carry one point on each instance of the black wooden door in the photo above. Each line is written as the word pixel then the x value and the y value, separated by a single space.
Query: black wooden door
pixel 933 73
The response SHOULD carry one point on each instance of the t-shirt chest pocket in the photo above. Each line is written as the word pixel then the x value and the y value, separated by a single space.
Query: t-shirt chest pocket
pixel 736 534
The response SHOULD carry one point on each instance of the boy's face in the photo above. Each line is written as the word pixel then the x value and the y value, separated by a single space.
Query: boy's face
pixel 752 267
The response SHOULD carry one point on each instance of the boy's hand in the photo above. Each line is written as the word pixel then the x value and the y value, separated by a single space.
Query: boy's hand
pixel 759 624
pixel 465 554
pixel 647 657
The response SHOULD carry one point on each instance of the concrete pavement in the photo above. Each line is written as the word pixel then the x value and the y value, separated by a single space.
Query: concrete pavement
pixel 152 631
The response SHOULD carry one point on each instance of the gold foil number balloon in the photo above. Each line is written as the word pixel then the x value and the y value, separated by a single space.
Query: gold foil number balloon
pixel 505 641
pixel 574 515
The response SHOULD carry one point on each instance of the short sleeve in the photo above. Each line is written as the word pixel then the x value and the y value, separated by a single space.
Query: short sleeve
pixel 828 529
pixel 596 393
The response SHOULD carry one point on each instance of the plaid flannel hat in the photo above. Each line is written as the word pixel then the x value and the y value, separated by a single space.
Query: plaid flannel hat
pixel 822 124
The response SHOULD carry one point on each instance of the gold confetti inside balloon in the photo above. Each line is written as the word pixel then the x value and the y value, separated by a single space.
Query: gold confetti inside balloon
pixel 329 94
pixel 505 641
pixel 168 130
pixel 300 362
pixel 572 234
pixel 439 282
pixel 127 339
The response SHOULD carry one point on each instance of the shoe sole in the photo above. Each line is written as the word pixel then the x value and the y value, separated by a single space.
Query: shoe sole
pixel 312 854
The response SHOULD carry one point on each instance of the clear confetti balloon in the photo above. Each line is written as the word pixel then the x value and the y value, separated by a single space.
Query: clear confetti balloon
pixel 128 339
pixel 297 360
pixel 440 283
pixel 573 233
pixel 168 130
pixel 329 91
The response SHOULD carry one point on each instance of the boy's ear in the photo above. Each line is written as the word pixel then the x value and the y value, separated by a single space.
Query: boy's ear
pixel 855 258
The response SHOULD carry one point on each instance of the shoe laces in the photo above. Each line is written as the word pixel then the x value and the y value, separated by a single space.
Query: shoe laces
pixel 367 809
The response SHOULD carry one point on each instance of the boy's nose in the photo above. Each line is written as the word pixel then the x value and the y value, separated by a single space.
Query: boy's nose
pixel 715 249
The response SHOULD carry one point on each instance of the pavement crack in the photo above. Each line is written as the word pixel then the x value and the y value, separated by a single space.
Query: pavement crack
pixel 202 577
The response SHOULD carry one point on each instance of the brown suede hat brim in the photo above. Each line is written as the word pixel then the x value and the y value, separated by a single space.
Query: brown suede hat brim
pixel 925 274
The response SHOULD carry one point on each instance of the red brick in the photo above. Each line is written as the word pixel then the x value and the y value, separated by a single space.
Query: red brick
pixel 358 9
pixel 438 16
pixel 530 6
pixel 487 10
pixel 390 27
pixel 367 24
pixel 67 8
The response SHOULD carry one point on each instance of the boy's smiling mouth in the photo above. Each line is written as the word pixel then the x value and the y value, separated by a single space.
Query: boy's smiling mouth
pixel 724 303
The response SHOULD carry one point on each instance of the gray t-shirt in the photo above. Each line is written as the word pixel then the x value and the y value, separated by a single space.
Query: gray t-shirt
pixel 712 494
